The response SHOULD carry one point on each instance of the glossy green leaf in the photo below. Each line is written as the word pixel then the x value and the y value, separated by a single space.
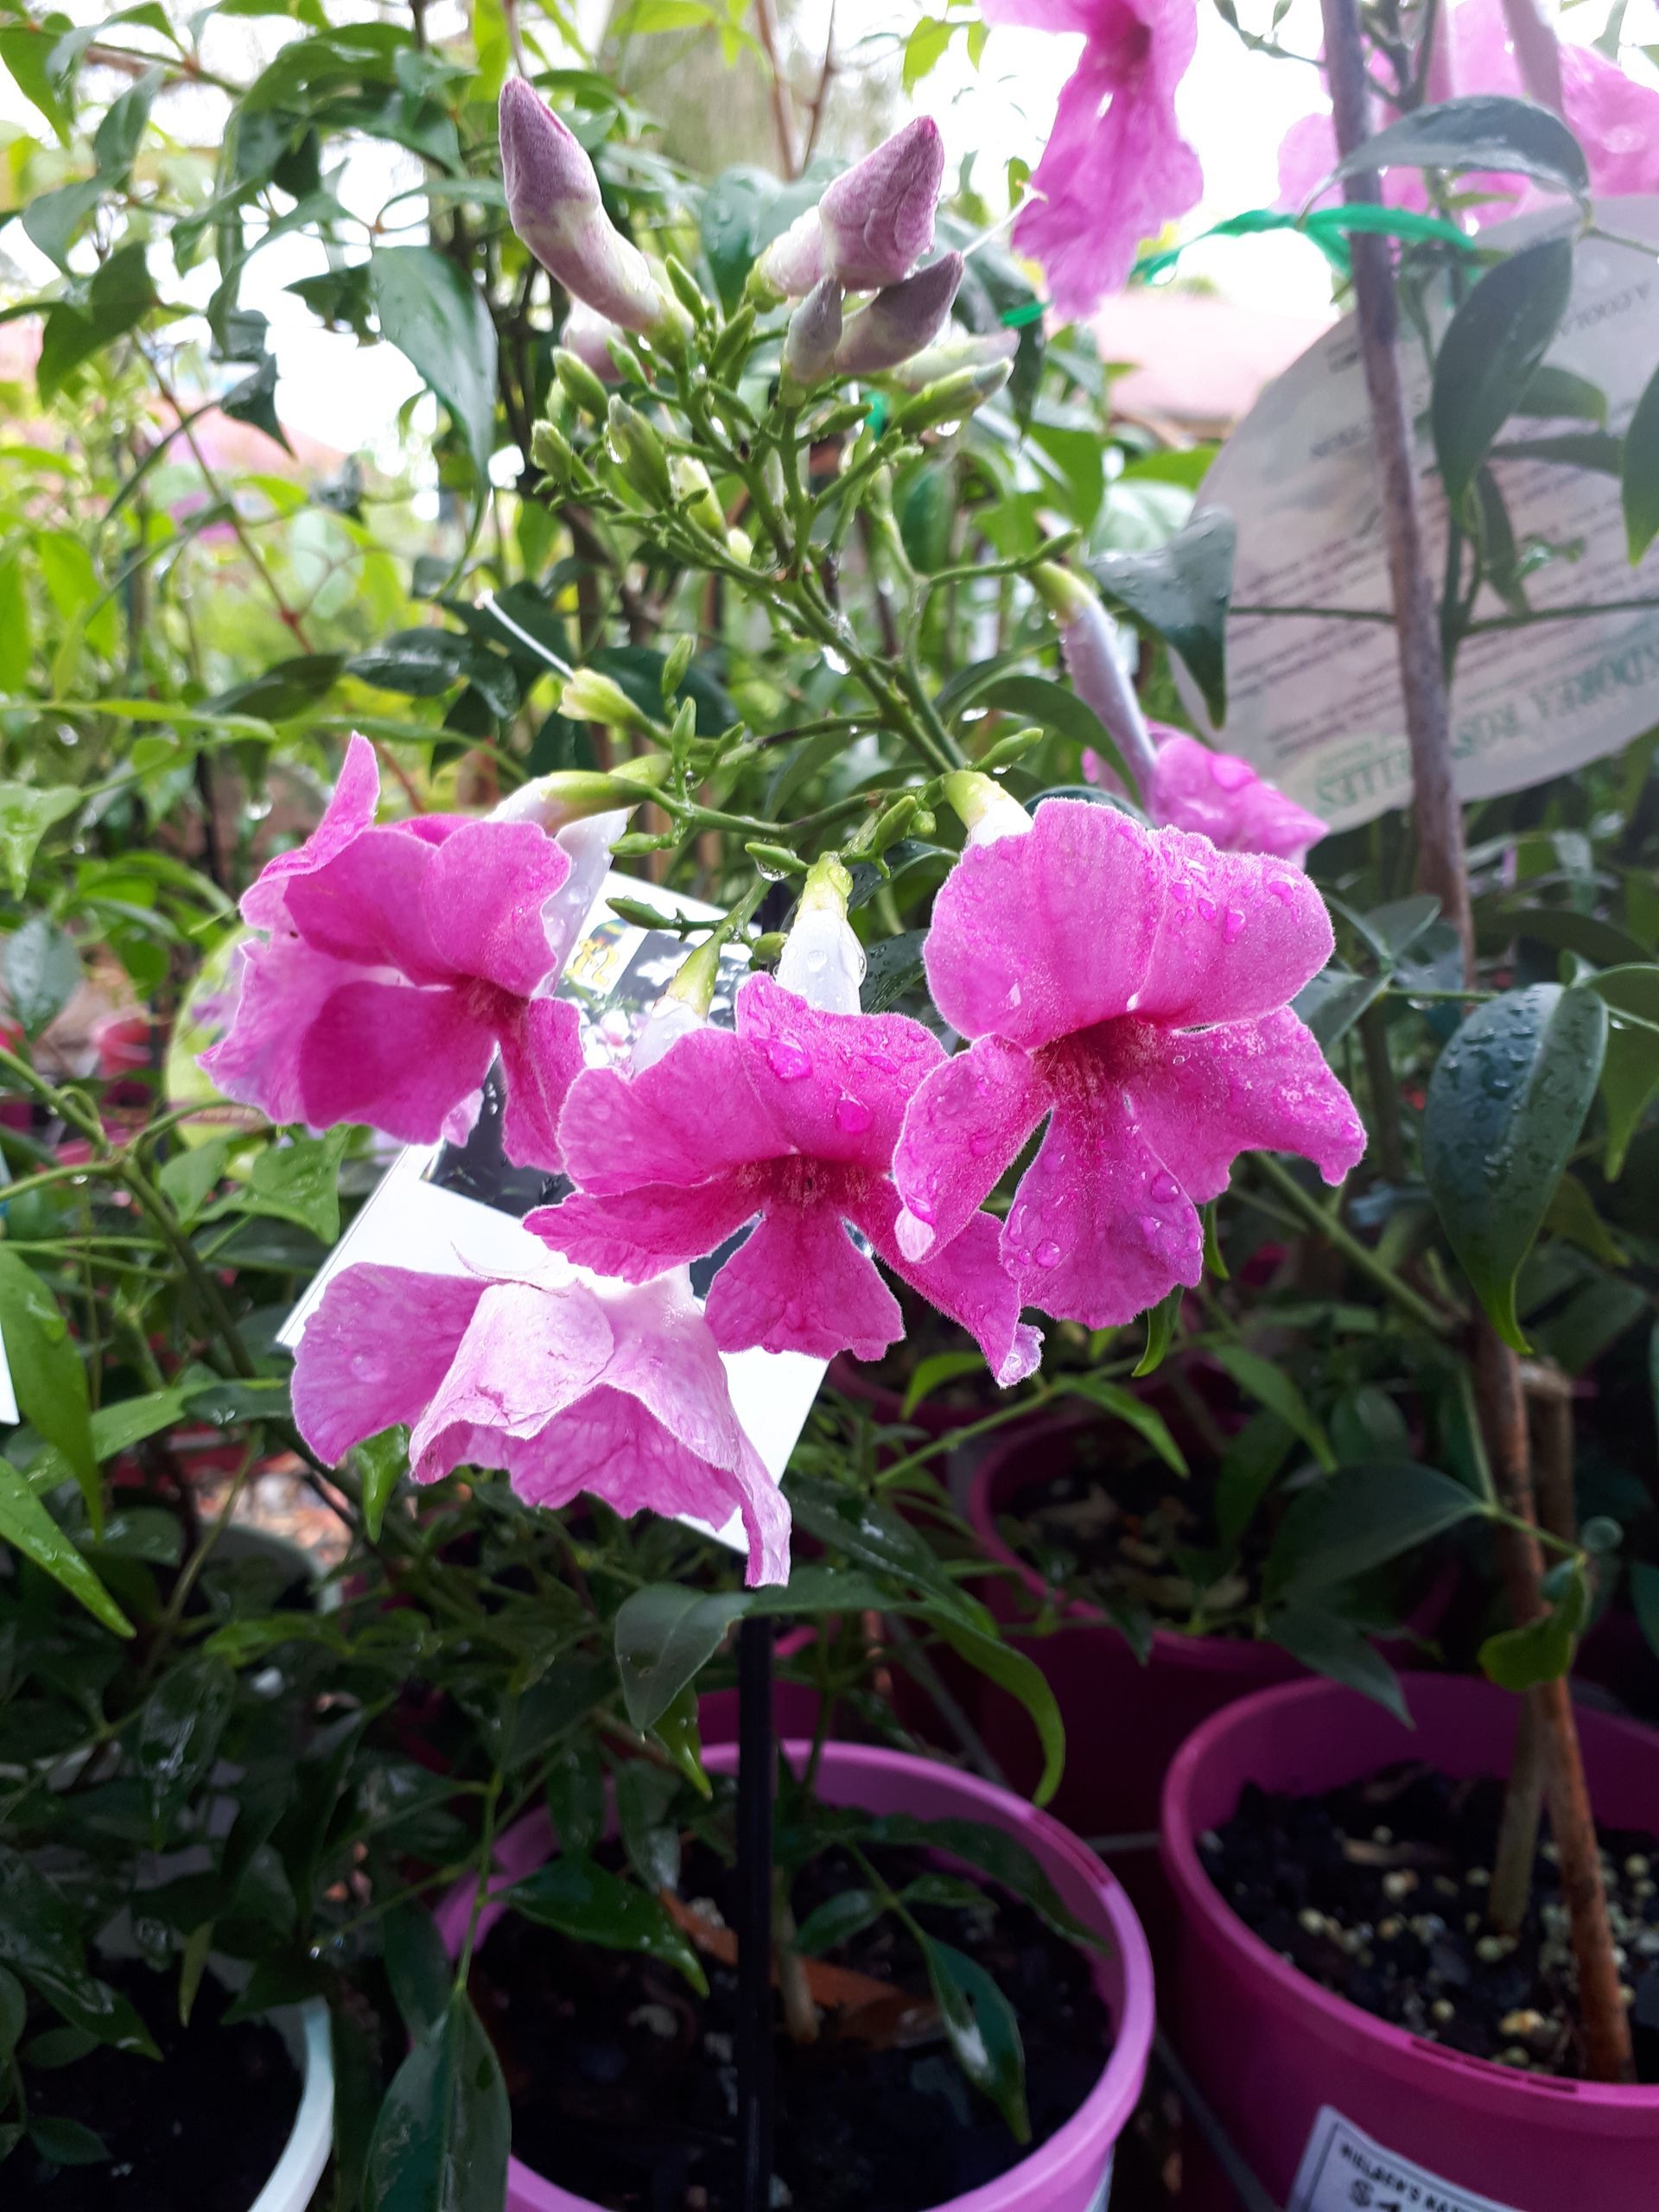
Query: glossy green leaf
pixel 1337 1648
pixel 1639 473
pixel 837 1920
pixel 297 1182
pixel 179 1730
pixel 1491 352
pixel 1484 131
pixel 1506 1102
pixel 26 815
pixel 992 1851
pixel 575 1794
pixel 677 1730
pixel 1015 1671
pixel 47 1376
pixel 1180 594
pixel 933 1373
pixel 41 1939
pixel 645 1797
pixel 417 1967
pixel 1271 1387
pixel 1160 1329
pixel 381 1462
pixel 66 2142
pixel 441 2141
pixel 982 2030
pixel 1358 1518
pixel 1133 1411
pixel 588 1903
pixel 1541 1651
pixel 27 1526
pixel 1630 1074
pixel 434 314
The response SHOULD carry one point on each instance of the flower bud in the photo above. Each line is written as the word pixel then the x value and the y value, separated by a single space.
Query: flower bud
pixel 987 811
pixel 572 794
pixel 552 453
pixel 775 861
pixel 638 452
pixel 873 223
pixel 693 491
pixel 885 828
pixel 554 203
pixel 589 697
pixel 900 321
pixel 741 546
pixel 957 349
pixel 588 336
pixel 823 960
pixel 579 381
pixel 1007 750
pixel 950 398
pixel 1089 645
pixel 676 661
pixel 810 340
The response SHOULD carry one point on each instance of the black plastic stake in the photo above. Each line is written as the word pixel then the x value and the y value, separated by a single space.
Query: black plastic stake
pixel 757 1762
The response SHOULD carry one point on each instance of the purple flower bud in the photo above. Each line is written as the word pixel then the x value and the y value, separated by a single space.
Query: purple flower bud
pixel 1088 644
pixel 899 320
pixel 956 350
pixel 813 334
pixel 877 217
pixel 589 337
pixel 554 203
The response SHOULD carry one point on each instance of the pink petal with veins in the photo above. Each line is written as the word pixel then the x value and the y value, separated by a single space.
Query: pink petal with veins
pixel 541 1058
pixel 835 1085
pixel 483 897
pixel 798 1283
pixel 398 1059
pixel 1239 935
pixel 349 812
pixel 964 1126
pixel 375 1351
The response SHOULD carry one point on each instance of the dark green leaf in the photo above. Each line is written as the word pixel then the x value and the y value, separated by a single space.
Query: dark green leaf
pixel 297 1182
pixel 417 1967
pixel 1038 699
pixel 1491 352
pixel 837 1920
pixel 993 1851
pixel 434 314
pixel 381 1462
pixel 644 1799
pixel 1644 1600
pixel 254 400
pixel 575 1794
pixel 1180 592
pixel 53 220
pixel 584 1901
pixel 116 143
pixel 1554 392
pixel 39 1937
pixel 1541 1651
pixel 1639 473
pixel 982 2030
pixel 1271 1387
pixel 1336 1648
pixel 14 2010
pixel 1357 1519
pixel 743 210
pixel 287 689
pixel 893 970
pixel 1124 1405
pixel 1481 133
pixel 27 1526
pixel 1013 1671
pixel 421 663
pixel 179 1729
pixel 42 965
pixel 1506 1102
pixel 47 1374
pixel 66 2142
pixel 441 2141
pixel 1248 1467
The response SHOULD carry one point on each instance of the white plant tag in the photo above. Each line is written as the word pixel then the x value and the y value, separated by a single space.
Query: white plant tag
pixel 1343 2170
pixel 1315 703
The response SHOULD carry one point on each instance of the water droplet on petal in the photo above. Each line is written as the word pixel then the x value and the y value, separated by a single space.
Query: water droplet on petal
pixel 1163 1187
pixel 1207 908
pixel 1013 994
pixel 979 1143
pixel 1153 1230
pixel 853 1116
pixel 1047 1255
pixel 1231 923
pixel 788 1061
pixel 1281 888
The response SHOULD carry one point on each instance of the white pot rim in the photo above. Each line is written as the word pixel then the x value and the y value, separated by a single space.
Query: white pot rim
pixel 296 2173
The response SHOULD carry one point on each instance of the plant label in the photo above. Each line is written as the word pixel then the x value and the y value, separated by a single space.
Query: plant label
pixel 1345 2170
pixel 447 1209
pixel 1314 703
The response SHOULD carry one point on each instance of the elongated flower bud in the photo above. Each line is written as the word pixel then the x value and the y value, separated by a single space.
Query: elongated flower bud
pixel 592 696
pixel 823 962
pixel 693 491
pixel 987 811
pixel 956 350
pixel 950 398
pixel 900 321
pixel 554 203
pixel 873 223
pixel 638 452
pixel 813 334
pixel 589 337
pixel 1089 643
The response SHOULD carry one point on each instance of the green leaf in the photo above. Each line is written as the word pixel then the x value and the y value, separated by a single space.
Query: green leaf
pixel 1506 1102
pixel 924 48
pixel 575 1794
pixel 40 1938
pixel 1482 133
pixel 381 1462
pixel 1039 699
pixel 53 220
pixel 435 315
pixel 1336 1648
pixel 675 1728
pixel 1644 1600
pixel 254 401
pixel 1542 1650
pixel 932 1373
pixel 743 210
pixel 300 1182
pixel 441 2141
pixel 42 972
pixel 837 1920
pixel 584 1901
pixel 1180 592
pixel 1248 1467
pixel 178 1733
pixel 1554 392
pixel 27 54
pixel 981 2028
pixel 1271 1387
pixel 1489 354
pixel 27 1526
pixel 1357 1519
pixel 1572 1215
pixel 14 2011
pixel 119 296
pixel 1134 1413
pixel 1160 1327
pixel 417 1967
pixel 189 1179
pixel 1639 473
pixel 116 143
pixel 1013 1671
pixel 47 1374
pixel 114 1429
pixel 26 815
pixel 66 2142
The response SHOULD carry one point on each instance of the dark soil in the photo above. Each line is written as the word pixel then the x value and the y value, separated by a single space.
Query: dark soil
pixel 199 2133
pixel 1378 1891
pixel 624 2091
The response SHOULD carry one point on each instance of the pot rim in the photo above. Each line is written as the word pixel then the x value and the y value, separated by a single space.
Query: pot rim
pixel 291 2181
pixel 1363 2037
pixel 1104 2111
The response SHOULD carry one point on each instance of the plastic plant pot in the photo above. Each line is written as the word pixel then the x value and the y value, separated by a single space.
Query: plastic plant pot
pixel 296 2173
pixel 1071 2172
pixel 1270 2048
pixel 794 1705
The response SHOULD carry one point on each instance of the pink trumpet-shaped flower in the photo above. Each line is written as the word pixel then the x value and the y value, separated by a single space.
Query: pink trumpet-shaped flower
pixel 566 1387
pixel 1132 985
pixel 1116 168
pixel 900 322
pixel 873 223
pixel 554 204
pixel 791 1118
pixel 397 962
pixel 1218 796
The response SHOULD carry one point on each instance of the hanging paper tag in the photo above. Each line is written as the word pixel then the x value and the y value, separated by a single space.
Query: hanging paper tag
pixel 1343 2170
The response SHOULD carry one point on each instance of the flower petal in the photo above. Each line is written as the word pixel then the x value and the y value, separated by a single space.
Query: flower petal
pixel 529 1352
pixel 835 1085
pixel 1034 936
pixel 1099 1229
pixel 278 986
pixel 1203 1097
pixel 966 1279
pixel 375 1351
pixel 964 1125
pixel 798 1283
pixel 634 1234
pixel 398 1059
pixel 1241 934
pixel 541 1058
pixel 1221 797
pixel 365 904
pixel 690 1116
pixel 483 897
pixel 349 812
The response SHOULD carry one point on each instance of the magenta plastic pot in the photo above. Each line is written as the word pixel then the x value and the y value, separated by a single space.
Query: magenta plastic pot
pixel 1270 2048
pixel 794 1705
pixel 1071 2172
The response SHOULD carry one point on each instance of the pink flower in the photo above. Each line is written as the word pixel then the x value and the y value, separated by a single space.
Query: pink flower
pixel 1116 168
pixel 554 204
pixel 1220 797
pixel 1614 119
pixel 873 223
pixel 790 1118
pixel 566 1387
pixel 397 962
pixel 1131 985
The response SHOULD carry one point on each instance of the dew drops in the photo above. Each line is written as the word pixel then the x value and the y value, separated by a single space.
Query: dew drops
pixel 853 1116
pixel 1163 1187
pixel 1207 908
pixel 1281 888
pixel 1013 994
pixel 788 1061
pixel 1047 1255
pixel 1152 1229
pixel 979 1143
pixel 1231 923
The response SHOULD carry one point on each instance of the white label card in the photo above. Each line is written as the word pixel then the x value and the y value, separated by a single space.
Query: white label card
pixel 1343 2170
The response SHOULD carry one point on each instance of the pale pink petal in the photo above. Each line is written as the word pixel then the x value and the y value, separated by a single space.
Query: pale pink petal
pixel 1219 796
pixel 365 904
pixel 348 813
pixel 798 1283
pixel 966 1279
pixel 690 1116
pixel 376 1350
pixel 634 1234
pixel 278 987
pixel 965 1124
pixel 1034 937
pixel 1240 935
pixel 541 1058
pixel 483 896
pixel 1615 119
pixel 835 1085
pixel 1099 1229
pixel 398 1059
pixel 1202 1096
pixel 529 1352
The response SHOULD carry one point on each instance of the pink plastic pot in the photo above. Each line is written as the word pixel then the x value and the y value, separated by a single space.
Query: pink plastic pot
pixel 1072 2170
pixel 794 1705
pixel 1269 2048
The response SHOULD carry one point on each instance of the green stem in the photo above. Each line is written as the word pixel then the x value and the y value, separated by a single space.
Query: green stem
pixel 1342 1239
